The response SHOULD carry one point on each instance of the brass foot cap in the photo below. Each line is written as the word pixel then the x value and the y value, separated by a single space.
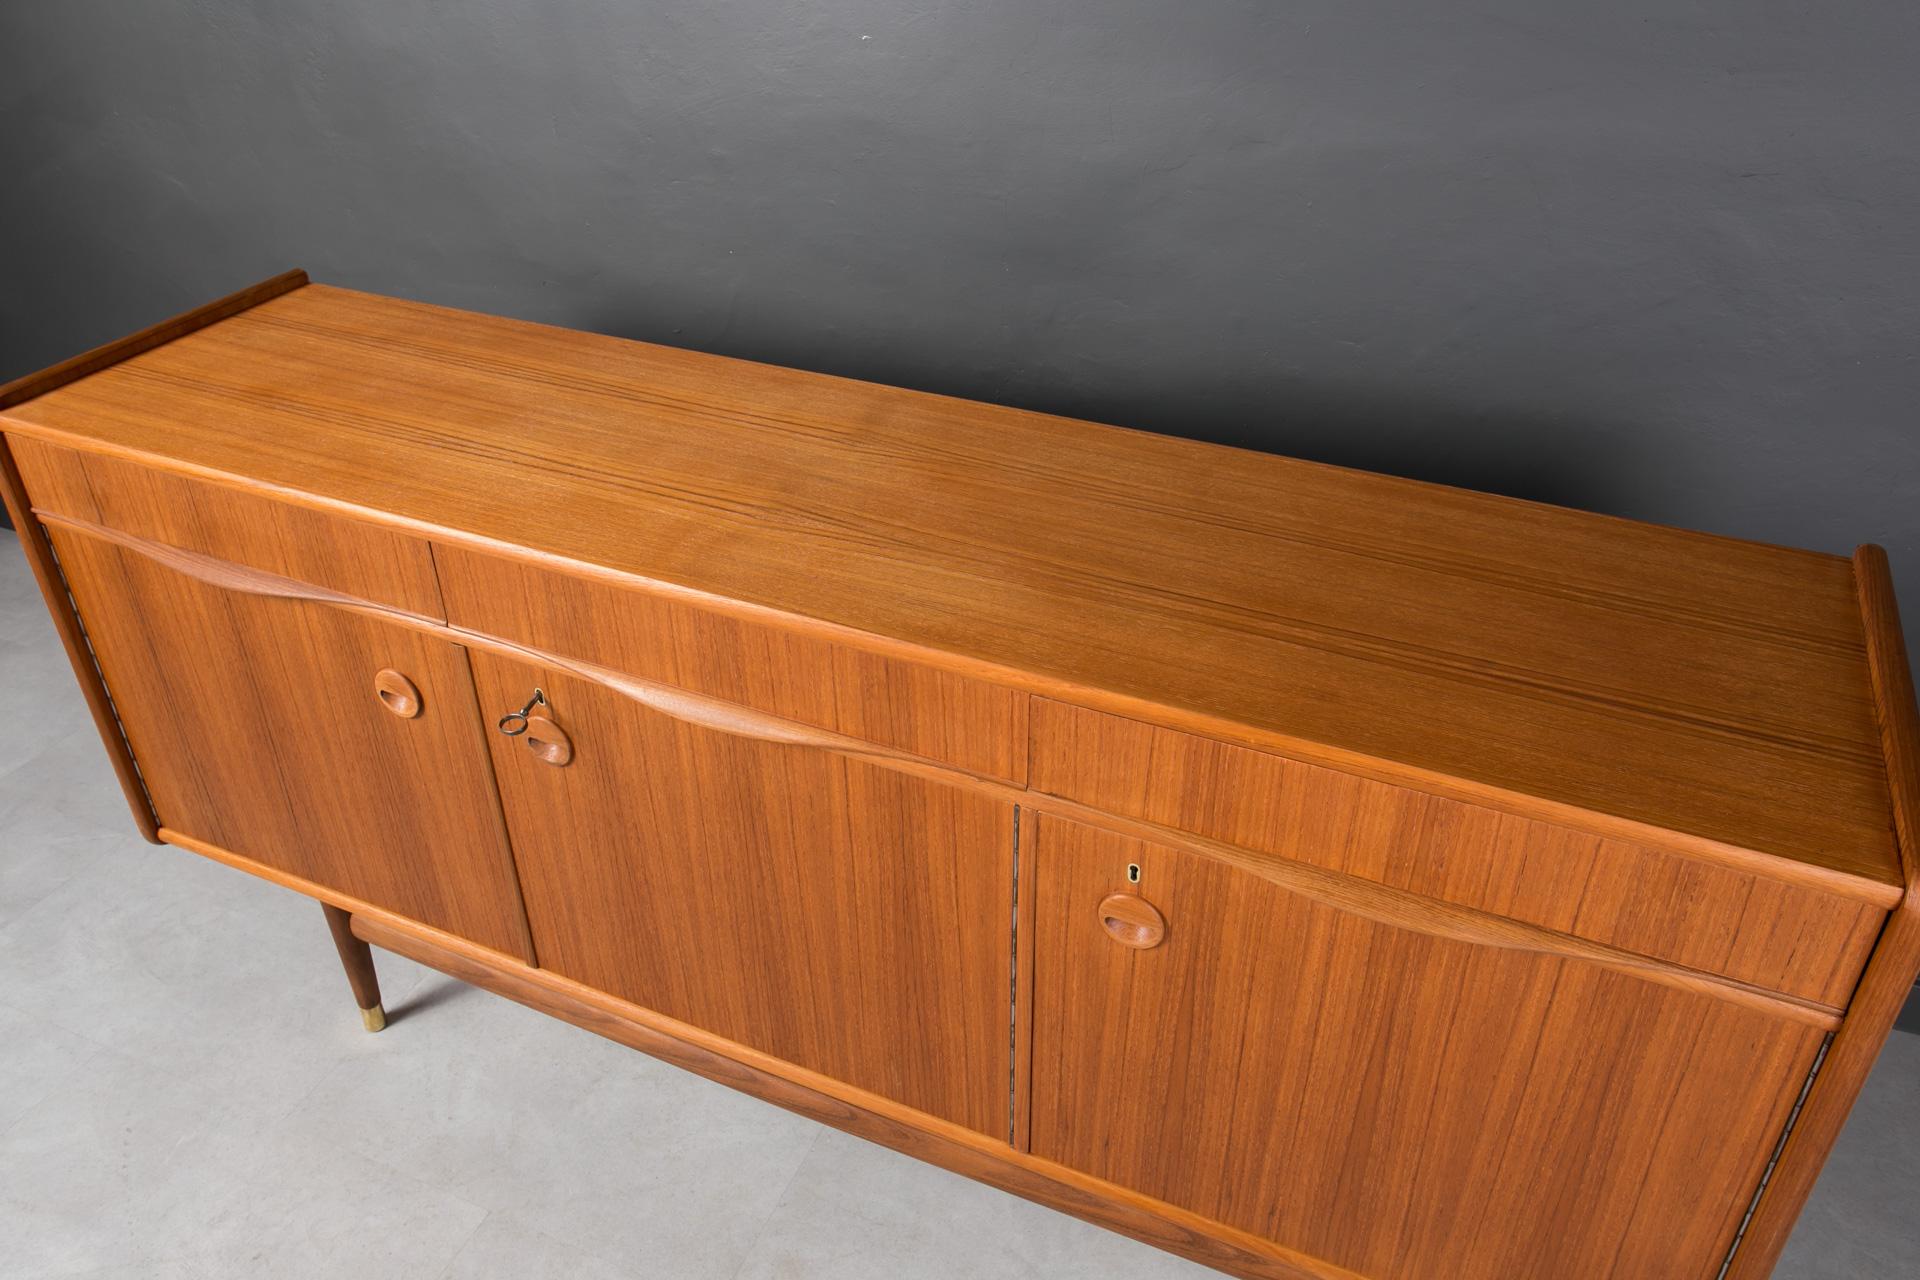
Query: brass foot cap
pixel 373 1019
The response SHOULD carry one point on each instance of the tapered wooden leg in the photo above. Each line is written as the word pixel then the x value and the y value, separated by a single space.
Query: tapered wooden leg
pixel 357 956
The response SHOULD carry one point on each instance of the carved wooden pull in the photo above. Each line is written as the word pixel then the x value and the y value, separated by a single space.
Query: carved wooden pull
pixel 397 693
pixel 548 741
pixel 1132 921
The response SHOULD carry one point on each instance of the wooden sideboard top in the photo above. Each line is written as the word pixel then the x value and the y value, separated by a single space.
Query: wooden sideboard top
pixel 1650 680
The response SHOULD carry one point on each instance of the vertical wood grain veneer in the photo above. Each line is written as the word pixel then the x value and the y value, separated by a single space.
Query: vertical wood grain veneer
pixel 983 1157
pixel 1889 977
pixel 1398 1104
pixel 261 729
pixel 840 916
pixel 1340 889
pixel 73 638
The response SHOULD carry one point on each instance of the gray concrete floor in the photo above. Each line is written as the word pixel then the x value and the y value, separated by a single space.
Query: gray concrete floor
pixel 185 1091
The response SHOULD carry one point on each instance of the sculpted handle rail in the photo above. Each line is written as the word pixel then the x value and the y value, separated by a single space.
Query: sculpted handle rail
pixel 1374 901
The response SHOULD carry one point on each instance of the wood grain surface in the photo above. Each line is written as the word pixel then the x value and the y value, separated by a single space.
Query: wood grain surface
pixel 1699 690
pixel 256 727
pixel 856 1111
pixel 1787 937
pixel 47 575
pixel 154 335
pixel 1888 983
pixel 1401 1105
pixel 920 709
pixel 984 1157
pixel 837 915
pixel 1368 898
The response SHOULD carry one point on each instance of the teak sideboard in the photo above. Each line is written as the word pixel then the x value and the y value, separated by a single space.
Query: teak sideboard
pixel 1313 873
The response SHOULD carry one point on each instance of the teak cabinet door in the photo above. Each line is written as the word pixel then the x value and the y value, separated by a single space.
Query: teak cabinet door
pixel 840 916
pixel 264 725
pixel 1397 1104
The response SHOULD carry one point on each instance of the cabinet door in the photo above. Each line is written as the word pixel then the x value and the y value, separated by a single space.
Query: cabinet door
pixel 259 726
pixel 1398 1104
pixel 844 917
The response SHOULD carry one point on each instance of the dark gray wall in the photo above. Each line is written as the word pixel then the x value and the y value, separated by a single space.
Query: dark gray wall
pixel 1648 257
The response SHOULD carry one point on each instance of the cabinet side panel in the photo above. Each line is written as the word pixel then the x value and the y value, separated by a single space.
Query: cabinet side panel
pixel 1703 915
pixel 47 574
pixel 1888 983
pixel 1402 1105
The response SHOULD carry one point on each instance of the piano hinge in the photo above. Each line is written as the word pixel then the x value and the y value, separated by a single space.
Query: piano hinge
pixel 1013 989
pixel 100 675
pixel 1766 1175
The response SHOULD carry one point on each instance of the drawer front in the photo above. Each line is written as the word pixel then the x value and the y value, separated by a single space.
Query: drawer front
pixel 952 719
pixel 1400 1105
pixel 1708 917
pixel 335 552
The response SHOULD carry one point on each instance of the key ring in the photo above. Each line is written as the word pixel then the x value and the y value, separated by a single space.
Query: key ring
pixel 514 723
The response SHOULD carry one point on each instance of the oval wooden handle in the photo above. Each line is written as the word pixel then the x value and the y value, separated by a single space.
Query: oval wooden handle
pixel 1132 921
pixel 548 741
pixel 397 694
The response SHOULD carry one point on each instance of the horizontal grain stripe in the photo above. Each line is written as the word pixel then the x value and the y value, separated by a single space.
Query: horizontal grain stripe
pixel 1765 628
pixel 1360 897
pixel 1762 628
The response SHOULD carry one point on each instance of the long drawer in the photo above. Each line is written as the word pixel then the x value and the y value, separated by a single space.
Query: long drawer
pixel 949 718
pixel 353 557
pixel 1717 919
